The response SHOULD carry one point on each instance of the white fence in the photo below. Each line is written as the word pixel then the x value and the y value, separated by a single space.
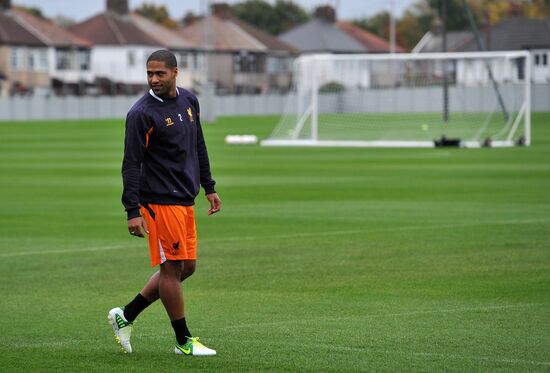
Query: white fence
pixel 59 108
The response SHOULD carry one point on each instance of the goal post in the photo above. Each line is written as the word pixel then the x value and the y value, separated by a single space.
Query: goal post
pixel 397 100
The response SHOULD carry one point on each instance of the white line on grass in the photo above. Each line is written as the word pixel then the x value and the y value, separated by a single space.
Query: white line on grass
pixel 332 347
pixel 62 251
pixel 384 315
pixel 481 358
pixel 283 236
pixel 390 229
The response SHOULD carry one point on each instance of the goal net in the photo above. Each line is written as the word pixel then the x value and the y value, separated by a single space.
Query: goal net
pixel 408 100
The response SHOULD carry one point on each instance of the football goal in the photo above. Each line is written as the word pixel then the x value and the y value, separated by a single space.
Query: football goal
pixel 408 100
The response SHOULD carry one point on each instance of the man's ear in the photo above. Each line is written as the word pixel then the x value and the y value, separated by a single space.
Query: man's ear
pixel 176 71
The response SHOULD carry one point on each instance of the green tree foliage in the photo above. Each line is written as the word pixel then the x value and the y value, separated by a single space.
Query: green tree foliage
pixel 275 19
pixel 537 9
pixel 457 19
pixel 288 15
pixel 414 23
pixel 420 16
pixel 34 11
pixel 158 14
pixel 379 24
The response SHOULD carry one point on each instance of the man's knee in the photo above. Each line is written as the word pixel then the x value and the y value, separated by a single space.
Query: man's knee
pixel 171 268
pixel 188 269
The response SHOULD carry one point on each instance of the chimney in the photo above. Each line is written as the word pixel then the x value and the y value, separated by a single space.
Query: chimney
pixel 221 10
pixel 326 13
pixel 437 26
pixel 118 6
pixel 516 10
pixel 5 5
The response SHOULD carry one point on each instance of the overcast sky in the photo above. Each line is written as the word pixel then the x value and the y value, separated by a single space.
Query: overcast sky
pixel 82 9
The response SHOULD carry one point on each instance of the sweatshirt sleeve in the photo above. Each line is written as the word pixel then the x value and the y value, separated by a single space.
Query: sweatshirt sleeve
pixel 138 130
pixel 204 164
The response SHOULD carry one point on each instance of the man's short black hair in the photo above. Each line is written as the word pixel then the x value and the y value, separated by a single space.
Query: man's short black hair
pixel 164 56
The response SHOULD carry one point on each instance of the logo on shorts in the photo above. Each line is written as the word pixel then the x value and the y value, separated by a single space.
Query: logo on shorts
pixel 176 246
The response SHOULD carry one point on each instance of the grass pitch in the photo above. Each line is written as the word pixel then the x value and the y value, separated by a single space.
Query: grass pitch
pixel 321 260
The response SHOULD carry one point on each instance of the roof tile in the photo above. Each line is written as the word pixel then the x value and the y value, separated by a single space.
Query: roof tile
pixel 373 43
pixel 48 32
pixel 112 29
pixel 12 33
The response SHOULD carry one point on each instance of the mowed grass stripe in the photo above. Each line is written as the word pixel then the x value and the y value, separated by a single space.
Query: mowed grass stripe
pixel 231 240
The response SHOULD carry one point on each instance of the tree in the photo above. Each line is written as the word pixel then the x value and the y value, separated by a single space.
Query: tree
pixel 416 21
pixel 537 9
pixel 457 18
pixel 188 18
pixel 256 12
pixel 379 24
pixel 288 15
pixel 158 14
pixel 37 12
pixel 275 19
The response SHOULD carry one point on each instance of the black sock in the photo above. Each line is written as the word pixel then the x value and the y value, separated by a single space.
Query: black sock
pixel 134 308
pixel 182 333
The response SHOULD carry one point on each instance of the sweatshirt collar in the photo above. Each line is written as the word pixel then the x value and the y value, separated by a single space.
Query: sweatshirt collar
pixel 160 99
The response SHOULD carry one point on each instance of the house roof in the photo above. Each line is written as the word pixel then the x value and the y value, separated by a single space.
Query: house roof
pixel 515 33
pixel 231 34
pixel 433 43
pixel 48 32
pixel 171 39
pixel 220 34
pixel 373 43
pixel 318 35
pixel 271 42
pixel 111 28
pixel 12 33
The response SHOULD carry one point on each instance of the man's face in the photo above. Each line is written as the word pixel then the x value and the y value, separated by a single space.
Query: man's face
pixel 161 79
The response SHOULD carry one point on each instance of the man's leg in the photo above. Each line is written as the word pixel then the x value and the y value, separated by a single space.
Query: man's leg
pixel 171 296
pixel 169 289
pixel 151 289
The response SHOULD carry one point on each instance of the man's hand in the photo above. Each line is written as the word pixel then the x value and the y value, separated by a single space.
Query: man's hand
pixel 215 203
pixel 137 227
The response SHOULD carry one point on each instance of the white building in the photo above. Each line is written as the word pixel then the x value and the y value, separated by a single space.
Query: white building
pixel 37 56
pixel 119 49
pixel 514 33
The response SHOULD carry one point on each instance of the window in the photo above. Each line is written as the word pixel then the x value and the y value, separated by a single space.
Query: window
pixel 537 59
pixel 38 59
pixel 236 63
pixel 63 59
pixel 131 58
pixel 252 63
pixel 277 65
pixel 41 60
pixel 545 59
pixel 245 62
pixel 182 61
pixel 17 60
pixel 84 60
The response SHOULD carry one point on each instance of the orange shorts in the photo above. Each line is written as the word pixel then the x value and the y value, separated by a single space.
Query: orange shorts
pixel 172 232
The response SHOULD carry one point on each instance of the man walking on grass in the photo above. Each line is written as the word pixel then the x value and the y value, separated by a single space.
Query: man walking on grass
pixel 165 163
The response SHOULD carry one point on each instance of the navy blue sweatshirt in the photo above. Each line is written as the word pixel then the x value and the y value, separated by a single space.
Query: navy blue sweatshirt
pixel 165 158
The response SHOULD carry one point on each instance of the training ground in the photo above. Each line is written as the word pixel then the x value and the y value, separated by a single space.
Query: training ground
pixel 321 259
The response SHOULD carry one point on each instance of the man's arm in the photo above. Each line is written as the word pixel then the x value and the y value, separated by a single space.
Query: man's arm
pixel 138 130
pixel 204 165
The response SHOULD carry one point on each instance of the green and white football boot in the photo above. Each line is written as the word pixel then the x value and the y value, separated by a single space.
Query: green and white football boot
pixel 122 328
pixel 194 348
